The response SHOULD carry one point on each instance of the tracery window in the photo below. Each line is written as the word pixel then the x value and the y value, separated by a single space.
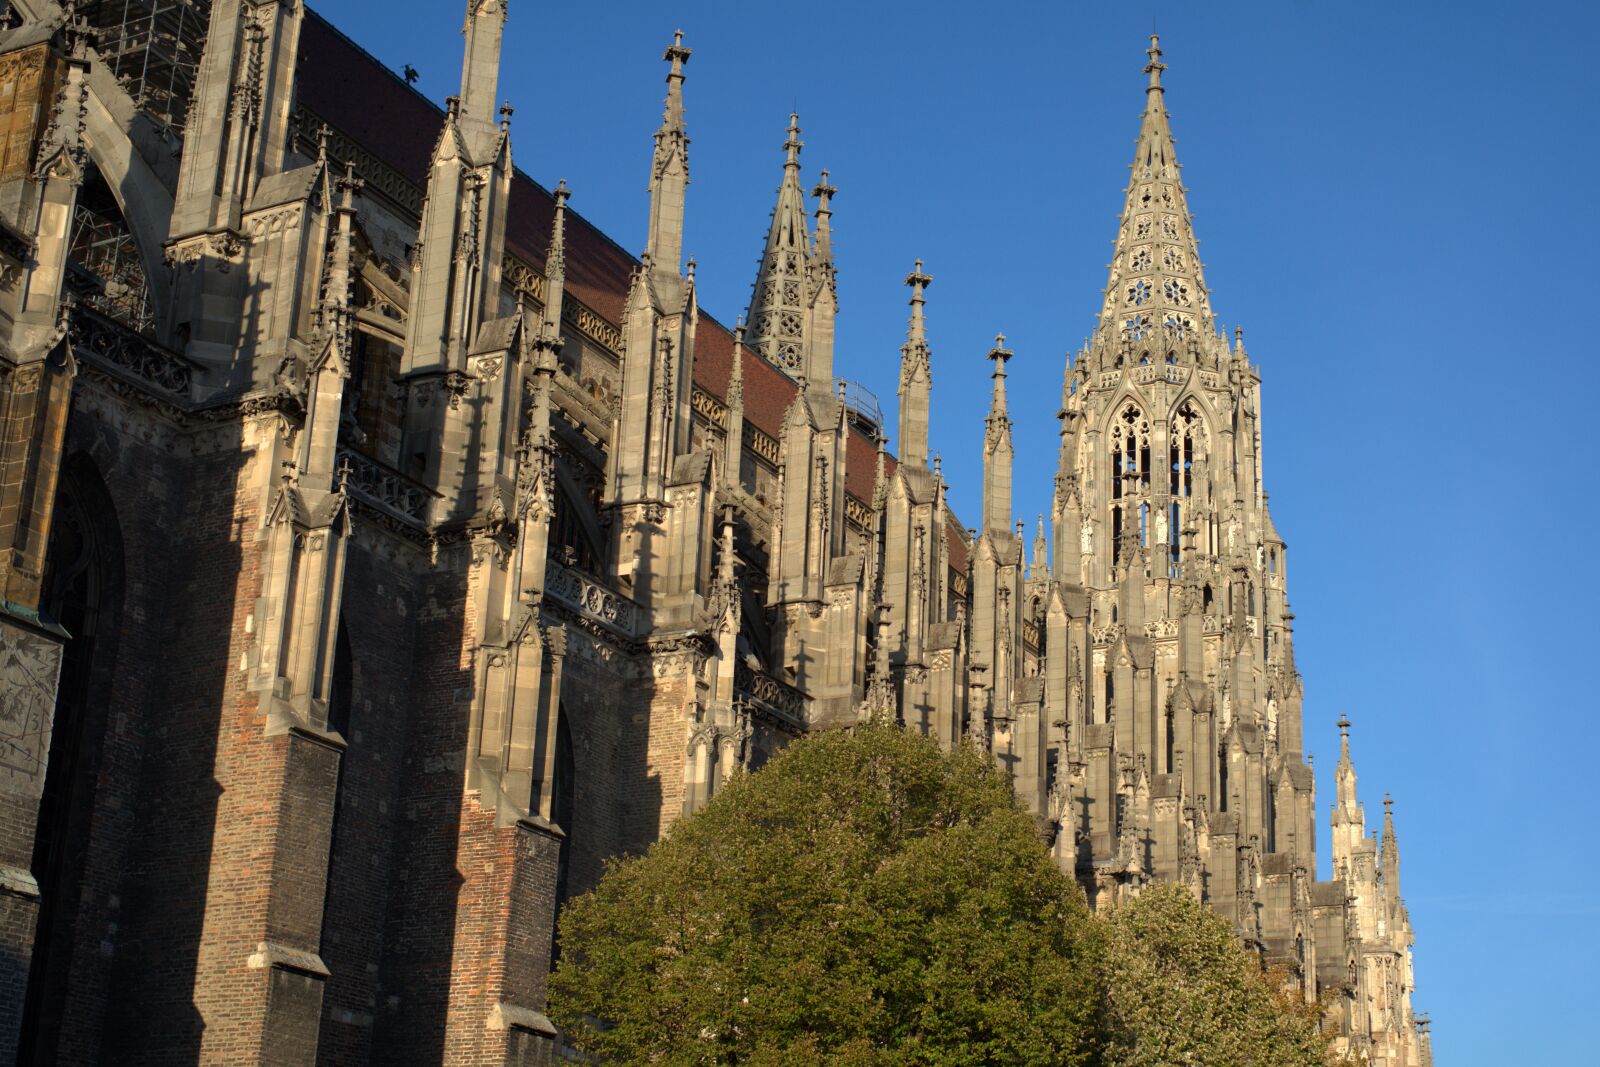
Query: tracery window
pixel 1184 436
pixel 1130 474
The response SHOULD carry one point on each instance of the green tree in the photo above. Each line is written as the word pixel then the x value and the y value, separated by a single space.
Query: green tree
pixel 1179 988
pixel 864 899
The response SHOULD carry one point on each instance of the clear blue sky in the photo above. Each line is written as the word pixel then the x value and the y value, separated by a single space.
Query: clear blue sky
pixel 1397 203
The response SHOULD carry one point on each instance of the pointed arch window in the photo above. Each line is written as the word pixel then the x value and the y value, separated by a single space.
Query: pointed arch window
pixel 1130 473
pixel 1183 444
pixel 570 534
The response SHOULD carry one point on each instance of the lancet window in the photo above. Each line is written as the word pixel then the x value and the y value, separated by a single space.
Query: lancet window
pixel 1184 437
pixel 1130 475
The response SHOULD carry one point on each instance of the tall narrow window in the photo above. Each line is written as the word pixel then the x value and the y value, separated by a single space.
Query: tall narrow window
pixel 1130 475
pixel 1183 437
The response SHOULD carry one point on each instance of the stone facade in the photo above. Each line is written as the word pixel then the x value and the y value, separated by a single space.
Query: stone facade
pixel 384 549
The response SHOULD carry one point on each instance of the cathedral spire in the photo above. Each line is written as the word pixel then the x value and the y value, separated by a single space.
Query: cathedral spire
pixel 997 451
pixel 916 376
pixel 1156 292
pixel 669 169
pixel 777 303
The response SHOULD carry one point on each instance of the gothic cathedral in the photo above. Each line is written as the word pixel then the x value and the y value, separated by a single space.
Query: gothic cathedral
pixel 384 549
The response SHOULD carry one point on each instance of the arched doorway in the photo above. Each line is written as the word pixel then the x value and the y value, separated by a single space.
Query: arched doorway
pixel 83 593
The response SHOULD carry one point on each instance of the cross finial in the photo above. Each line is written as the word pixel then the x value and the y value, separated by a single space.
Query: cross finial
pixel 918 282
pixel 824 193
pixel 676 53
pixel 1000 353
pixel 1388 804
pixel 563 192
pixel 1155 66
pixel 793 144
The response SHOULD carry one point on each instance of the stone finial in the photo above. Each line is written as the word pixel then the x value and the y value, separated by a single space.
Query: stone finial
pixel 824 193
pixel 1000 353
pixel 793 144
pixel 919 283
pixel 676 54
pixel 1155 66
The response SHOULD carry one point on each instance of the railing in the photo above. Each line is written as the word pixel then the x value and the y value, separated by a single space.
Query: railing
pixel 106 342
pixel 383 485
pixel 863 403
pixel 590 599
pixel 766 693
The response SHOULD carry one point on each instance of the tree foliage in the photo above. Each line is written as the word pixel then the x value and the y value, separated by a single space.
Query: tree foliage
pixel 1178 988
pixel 867 899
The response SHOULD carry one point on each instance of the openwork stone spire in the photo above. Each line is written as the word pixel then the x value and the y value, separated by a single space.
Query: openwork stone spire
pixel 1156 289
pixel 778 304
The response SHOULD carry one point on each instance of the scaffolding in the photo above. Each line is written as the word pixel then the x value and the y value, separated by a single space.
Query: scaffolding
pixel 107 273
pixel 153 49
